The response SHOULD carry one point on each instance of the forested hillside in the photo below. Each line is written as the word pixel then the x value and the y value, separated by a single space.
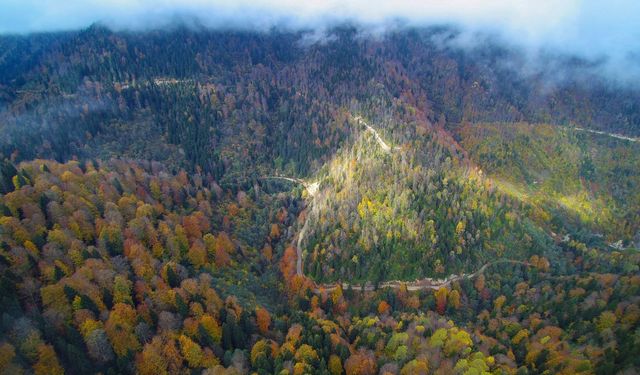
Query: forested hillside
pixel 412 212
pixel 592 178
pixel 231 202
pixel 123 267
pixel 198 94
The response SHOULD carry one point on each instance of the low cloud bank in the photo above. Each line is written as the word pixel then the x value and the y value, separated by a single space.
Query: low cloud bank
pixel 606 32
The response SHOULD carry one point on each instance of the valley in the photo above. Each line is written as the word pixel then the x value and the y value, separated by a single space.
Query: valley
pixel 195 200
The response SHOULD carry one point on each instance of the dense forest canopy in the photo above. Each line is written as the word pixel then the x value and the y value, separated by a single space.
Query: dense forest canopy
pixel 214 201
pixel 70 94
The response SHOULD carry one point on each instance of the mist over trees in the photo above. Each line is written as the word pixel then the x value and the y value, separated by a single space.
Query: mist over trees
pixel 210 201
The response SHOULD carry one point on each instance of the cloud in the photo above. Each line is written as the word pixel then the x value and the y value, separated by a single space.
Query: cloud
pixel 592 29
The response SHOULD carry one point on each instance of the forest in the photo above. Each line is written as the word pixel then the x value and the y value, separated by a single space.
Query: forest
pixel 206 201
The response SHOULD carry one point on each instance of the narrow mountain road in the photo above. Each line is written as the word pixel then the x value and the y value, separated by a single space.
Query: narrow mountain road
pixel 614 135
pixel 310 187
pixel 423 284
pixel 375 133
pixel 312 190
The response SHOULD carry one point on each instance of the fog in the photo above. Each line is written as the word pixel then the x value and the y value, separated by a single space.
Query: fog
pixel 604 31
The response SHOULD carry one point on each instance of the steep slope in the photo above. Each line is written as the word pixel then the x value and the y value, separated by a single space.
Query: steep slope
pixel 101 260
pixel 272 203
pixel 416 211
pixel 241 104
pixel 123 267
pixel 589 180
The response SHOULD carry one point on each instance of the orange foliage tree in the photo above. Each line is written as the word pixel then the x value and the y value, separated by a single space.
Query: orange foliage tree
pixel 263 319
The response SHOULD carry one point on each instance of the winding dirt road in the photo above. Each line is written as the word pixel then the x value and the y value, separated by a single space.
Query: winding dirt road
pixel 614 135
pixel 423 284
pixel 310 187
pixel 312 190
pixel 375 133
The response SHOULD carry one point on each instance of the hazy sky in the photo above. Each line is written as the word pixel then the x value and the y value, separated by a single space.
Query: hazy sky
pixel 590 28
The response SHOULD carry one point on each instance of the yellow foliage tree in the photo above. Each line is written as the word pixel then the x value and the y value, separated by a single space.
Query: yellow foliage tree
pixel 335 365
pixel 306 354
pixel 191 351
pixel 458 340
pixel 275 231
pixel 122 290
pixel 47 363
pixel 521 335
pixel 197 254
pixel 497 304
pixel 606 320
pixel 454 299
pixel 119 328
pixel 415 367
pixel 260 350
pixel 212 327
pixel 152 361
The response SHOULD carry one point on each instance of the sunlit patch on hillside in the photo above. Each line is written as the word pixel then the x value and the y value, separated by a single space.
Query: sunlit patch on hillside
pixel 510 189
pixel 570 175
pixel 580 205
